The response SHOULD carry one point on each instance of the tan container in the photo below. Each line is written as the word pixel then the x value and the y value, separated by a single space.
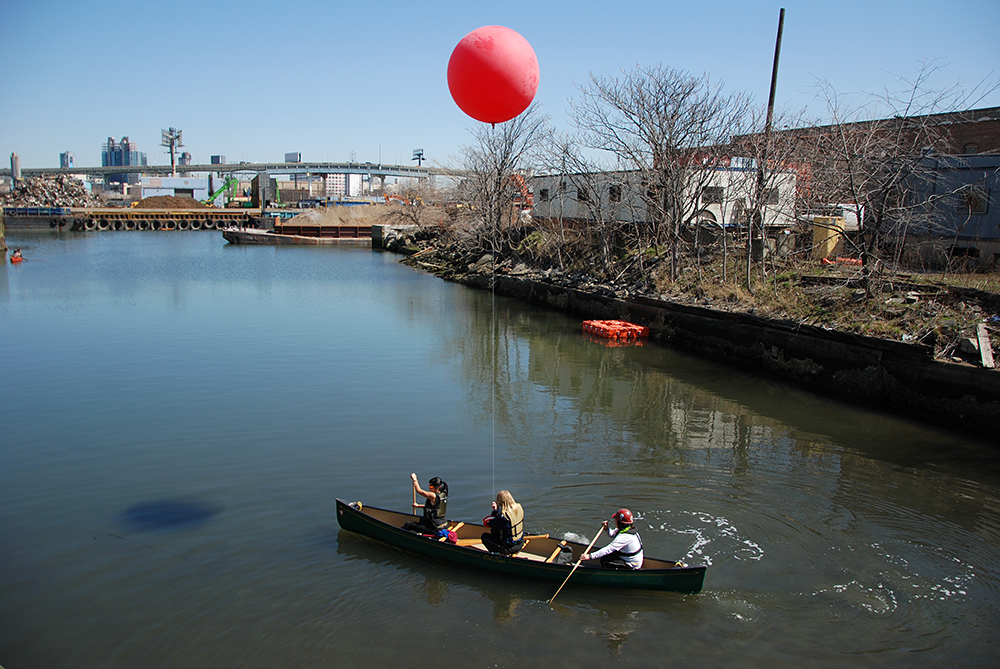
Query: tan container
pixel 827 234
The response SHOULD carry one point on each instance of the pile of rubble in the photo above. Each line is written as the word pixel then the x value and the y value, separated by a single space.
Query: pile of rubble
pixel 57 191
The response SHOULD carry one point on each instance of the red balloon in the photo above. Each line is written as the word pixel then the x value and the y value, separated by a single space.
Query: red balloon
pixel 493 74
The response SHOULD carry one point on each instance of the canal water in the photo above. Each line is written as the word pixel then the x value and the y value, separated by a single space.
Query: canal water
pixel 179 415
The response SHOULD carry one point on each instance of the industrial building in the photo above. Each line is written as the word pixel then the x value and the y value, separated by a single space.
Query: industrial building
pixel 192 187
pixel 964 225
pixel 722 201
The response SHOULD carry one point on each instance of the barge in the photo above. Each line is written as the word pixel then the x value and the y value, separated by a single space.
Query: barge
pixel 301 234
pixel 77 219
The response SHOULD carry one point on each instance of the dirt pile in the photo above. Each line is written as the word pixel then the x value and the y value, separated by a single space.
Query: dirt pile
pixel 354 215
pixel 377 214
pixel 57 191
pixel 169 202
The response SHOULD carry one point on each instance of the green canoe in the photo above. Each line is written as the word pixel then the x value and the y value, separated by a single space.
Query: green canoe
pixel 537 559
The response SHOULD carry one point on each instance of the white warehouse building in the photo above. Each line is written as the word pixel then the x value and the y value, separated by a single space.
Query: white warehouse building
pixel 724 198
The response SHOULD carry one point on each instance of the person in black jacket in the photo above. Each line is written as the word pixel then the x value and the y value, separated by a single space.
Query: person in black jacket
pixel 506 524
pixel 435 507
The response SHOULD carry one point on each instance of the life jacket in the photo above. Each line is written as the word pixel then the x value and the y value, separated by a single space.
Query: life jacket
pixel 512 532
pixel 436 512
pixel 631 530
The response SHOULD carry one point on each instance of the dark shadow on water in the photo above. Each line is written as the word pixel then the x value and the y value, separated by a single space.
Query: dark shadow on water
pixel 168 514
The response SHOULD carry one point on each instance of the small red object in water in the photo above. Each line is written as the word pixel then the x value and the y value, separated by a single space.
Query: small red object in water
pixel 615 329
pixel 614 343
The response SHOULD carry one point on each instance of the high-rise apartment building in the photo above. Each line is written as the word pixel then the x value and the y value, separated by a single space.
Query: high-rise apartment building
pixel 122 153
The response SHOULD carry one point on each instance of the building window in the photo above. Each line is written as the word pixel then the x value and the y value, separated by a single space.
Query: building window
pixel 712 195
pixel 582 194
pixel 973 199
pixel 543 195
pixel 615 193
pixel 970 148
pixel 771 196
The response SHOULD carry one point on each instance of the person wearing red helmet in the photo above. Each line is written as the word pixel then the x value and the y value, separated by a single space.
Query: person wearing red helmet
pixel 625 549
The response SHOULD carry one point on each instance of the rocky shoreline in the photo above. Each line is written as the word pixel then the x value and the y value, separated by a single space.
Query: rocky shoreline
pixel 903 378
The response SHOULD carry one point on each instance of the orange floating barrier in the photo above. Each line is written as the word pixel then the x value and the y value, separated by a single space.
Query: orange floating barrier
pixel 615 329
pixel 613 343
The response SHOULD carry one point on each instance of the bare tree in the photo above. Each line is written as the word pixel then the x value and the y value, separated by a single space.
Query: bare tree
pixel 772 170
pixel 881 167
pixel 495 184
pixel 666 127
pixel 592 192
pixel 416 202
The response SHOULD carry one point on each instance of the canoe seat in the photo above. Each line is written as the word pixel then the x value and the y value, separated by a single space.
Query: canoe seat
pixel 478 545
pixel 523 546
pixel 556 551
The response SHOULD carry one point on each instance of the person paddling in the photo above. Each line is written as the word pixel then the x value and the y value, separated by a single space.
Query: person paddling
pixel 625 549
pixel 434 519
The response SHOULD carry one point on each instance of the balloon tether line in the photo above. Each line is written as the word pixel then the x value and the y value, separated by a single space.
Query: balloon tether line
pixel 493 339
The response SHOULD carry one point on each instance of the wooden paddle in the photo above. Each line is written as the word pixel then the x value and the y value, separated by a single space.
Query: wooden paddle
pixel 592 542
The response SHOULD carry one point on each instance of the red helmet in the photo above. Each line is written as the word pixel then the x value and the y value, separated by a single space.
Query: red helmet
pixel 623 516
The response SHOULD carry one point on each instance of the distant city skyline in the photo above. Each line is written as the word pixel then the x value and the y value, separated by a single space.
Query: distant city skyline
pixel 340 82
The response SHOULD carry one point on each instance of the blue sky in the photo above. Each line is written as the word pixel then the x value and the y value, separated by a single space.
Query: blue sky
pixel 253 80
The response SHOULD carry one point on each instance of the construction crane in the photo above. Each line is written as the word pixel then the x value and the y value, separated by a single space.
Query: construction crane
pixel 523 195
pixel 230 184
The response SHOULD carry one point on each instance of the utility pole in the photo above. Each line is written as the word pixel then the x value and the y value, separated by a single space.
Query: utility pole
pixel 774 74
pixel 758 217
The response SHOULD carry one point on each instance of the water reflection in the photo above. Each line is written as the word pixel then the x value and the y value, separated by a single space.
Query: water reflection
pixel 609 615
pixel 647 412
pixel 616 630
pixel 663 401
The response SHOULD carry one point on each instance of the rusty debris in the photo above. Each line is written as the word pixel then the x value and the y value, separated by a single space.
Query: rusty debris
pixel 56 191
